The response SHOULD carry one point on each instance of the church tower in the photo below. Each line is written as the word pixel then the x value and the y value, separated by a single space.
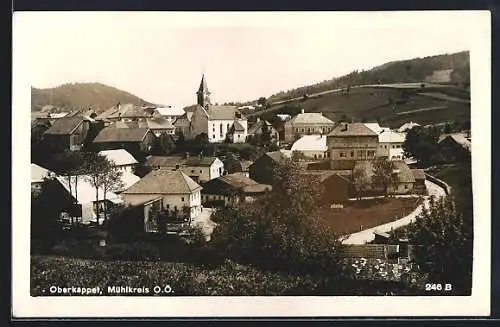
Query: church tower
pixel 203 93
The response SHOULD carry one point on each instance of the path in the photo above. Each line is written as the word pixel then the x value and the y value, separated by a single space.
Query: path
pixel 368 236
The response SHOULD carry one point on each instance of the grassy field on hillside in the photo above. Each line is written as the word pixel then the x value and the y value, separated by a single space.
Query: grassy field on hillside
pixel 390 106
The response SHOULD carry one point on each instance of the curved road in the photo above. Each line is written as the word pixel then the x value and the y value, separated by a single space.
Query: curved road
pixel 367 234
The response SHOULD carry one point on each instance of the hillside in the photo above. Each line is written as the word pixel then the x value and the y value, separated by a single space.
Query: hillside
pixel 425 90
pixel 73 96
pixel 452 69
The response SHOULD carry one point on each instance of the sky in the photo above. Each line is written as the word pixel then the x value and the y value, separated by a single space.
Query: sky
pixel 160 56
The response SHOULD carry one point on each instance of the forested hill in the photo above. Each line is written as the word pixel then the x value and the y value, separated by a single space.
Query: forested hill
pixel 73 96
pixel 446 69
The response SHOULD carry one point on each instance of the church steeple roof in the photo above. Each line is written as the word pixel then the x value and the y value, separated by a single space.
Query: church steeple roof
pixel 203 89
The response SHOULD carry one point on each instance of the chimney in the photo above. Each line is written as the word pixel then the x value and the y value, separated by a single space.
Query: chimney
pixel 301 111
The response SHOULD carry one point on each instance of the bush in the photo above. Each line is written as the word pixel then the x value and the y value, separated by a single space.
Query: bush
pixel 137 251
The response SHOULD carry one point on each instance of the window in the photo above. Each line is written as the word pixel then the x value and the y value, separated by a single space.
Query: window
pixel 360 153
pixel 342 154
pixel 315 157
pixel 182 199
pixel 352 153
pixel 406 187
pixel 201 172
pixel 214 129
pixel 371 153
pixel 192 171
pixel 213 136
pixel 168 206
pixel 398 146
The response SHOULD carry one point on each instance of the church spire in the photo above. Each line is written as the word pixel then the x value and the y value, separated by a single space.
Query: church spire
pixel 203 93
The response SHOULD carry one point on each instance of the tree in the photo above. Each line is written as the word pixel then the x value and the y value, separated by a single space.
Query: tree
pixel 361 180
pixel 102 175
pixel 111 182
pixel 383 175
pixel 71 164
pixel 421 144
pixel 262 101
pixel 265 137
pixel 281 230
pixel 444 244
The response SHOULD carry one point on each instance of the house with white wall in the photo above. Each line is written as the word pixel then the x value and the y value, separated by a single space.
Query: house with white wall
pixel 200 168
pixel 178 193
pixel 311 146
pixel 390 143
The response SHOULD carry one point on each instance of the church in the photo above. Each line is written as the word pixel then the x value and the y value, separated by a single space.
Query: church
pixel 220 123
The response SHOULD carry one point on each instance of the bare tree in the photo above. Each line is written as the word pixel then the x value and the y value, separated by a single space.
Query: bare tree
pixel 361 180
pixel 383 174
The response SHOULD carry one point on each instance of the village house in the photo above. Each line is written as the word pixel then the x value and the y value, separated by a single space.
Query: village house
pixel 349 143
pixel 231 189
pixel 182 126
pixel 122 160
pixel 307 123
pixel 261 125
pixel 390 143
pixel 232 164
pixel 158 126
pixel 165 190
pixel 200 168
pixel 419 187
pixel 67 133
pixel 312 147
pixel 403 178
pixel 137 141
pixel 337 185
pixel 219 123
pixel 169 113
pixel 38 176
pixel 407 126
pixel 83 193
pixel 262 169
pixel 454 146
pixel 123 112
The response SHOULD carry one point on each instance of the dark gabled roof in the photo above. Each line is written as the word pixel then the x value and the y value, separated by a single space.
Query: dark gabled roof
pixel 156 123
pixel 172 161
pixel 353 129
pixel 278 155
pixel 237 127
pixel 258 126
pixel 164 181
pixel 111 134
pixel 223 112
pixel 64 125
pixel 236 182
pixel 418 173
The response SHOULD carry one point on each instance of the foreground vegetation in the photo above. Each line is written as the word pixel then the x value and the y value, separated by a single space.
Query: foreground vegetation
pixel 227 279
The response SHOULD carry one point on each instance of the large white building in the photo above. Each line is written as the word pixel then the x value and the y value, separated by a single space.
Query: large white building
pixel 218 122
